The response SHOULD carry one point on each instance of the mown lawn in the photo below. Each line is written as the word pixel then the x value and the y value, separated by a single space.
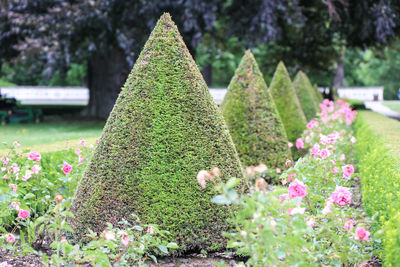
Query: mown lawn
pixel 51 135
pixel 393 105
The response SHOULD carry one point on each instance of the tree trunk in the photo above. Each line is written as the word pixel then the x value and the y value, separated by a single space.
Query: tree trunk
pixel 107 73
pixel 339 75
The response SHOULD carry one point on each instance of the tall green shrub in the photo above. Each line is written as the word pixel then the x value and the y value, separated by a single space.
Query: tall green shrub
pixel 163 129
pixel 252 118
pixel 318 96
pixel 287 103
pixel 306 96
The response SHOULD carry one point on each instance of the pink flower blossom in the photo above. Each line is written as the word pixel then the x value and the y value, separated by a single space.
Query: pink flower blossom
pixel 342 157
pixel 97 141
pixel 362 234
pixel 283 197
pixel 5 177
pixel 365 264
pixel 298 210
pixel 5 160
pixel 310 222
pixel 150 230
pixel 335 170
pixel 10 238
pixel 202 178
pixel 297 189
pixel 66 168
pixel 324 153
pixel 82 142
pixel 290 145
pixel 15 205
pixel 81 159
pixel 348 225
pixel 299 143
pixel 315 150
pixel 78 151
pixel 16 144
pixel 34 156
pixel 353 139
pixel 15 169
pixel 14 187
pixel 311 124
pixel 291 176
pixel 125 239
pixel 35 169
pixel 348 170
pixel 23 214
pixel 341 196
pixel 28 174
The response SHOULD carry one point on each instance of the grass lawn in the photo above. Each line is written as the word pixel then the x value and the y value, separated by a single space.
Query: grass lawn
pixel 386 128
pixel 393 105
pixel 51 135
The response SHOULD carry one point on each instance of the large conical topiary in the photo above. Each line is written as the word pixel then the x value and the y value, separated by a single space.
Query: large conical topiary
pixel 287 103
pixel 317 94
pixel 306 96
pixel 163 129
pixel 252 118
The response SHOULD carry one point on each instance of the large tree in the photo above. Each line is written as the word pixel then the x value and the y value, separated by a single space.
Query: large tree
pixel 108 34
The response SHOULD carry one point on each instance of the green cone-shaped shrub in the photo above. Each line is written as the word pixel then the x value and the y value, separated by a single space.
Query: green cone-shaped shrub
pixel 287 103
pixel 306 96
pixel 318 95
pixel 252 118
pixel 163 129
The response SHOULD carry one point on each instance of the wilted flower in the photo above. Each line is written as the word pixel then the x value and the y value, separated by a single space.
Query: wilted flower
pixel 35 169
pixel 261 185
pixel 348 225
pixel 150 230
pixel 297 210
pixel 108 235
pixel 260 168
pixel 125 239
pixel 202 178
pixel 14 187
pixel 215 172
pixel 16 144
pixel 10 238
pixel 5 160
pixel 58 198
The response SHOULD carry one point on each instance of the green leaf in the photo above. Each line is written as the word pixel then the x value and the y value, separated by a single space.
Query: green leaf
pixel 232 183
pixel 172 245
pixel 163 249
pixel 221 200
pixel 28 196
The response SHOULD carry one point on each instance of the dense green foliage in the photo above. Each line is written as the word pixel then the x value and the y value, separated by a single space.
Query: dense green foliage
pixel 378 152
pixel 306 95
pixel 287 103
pixel 253 119
pixel 163 129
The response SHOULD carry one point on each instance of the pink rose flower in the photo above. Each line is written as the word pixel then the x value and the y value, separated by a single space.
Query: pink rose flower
pixel 298 210
pixel 81 159
pixel 82 142
pixel 10 238
pixel 23 214
pixel 341 196
pixel 78 151
pixel 5 177
pixel 150 230
pixel 324 153
pixel 66 168
pixel 97 141
pixel 362 234
pixel 335 170
pixel 283 197
pixel 34 156
pixel 14 187
pixel 297 189
pixel 348 225
pixel 291 176
pixel 35 169
pixel 125 239
pixel 348 170
pixel 299 143
pixel 5 160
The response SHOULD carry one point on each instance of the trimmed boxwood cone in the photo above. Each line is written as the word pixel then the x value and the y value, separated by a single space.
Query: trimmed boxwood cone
pixel 306 96
pixel 252 118
pixel 287 103
pixel 163 129
pixel 317 94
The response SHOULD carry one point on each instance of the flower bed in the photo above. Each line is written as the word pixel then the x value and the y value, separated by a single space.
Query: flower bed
pixel 377 151
pixel 316 217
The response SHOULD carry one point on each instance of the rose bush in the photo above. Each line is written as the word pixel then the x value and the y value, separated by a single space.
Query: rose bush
pixel 318 219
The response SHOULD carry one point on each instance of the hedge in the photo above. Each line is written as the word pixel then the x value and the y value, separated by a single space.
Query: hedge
pixel 163 129
pixel 308 100
pixel 252 117
pixel 378 153
pixel 287 103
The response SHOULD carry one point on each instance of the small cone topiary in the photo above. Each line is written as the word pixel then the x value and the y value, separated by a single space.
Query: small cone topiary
pixel 252 118
pixel 163 129
pixel 287 103
pixel 306 96
pixel 317 94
